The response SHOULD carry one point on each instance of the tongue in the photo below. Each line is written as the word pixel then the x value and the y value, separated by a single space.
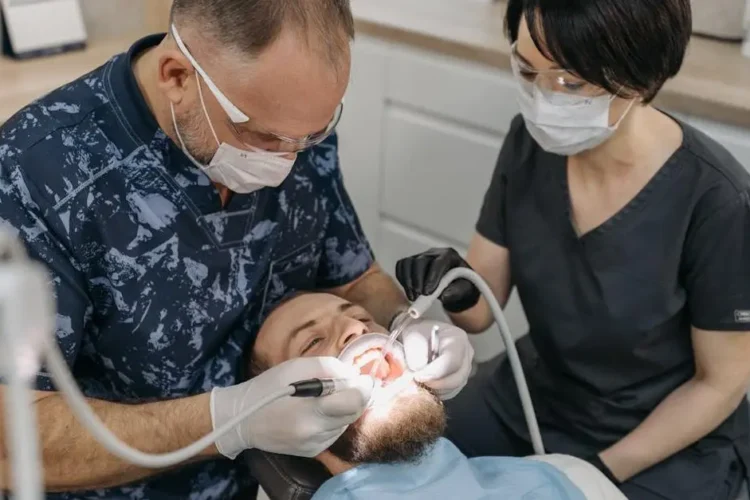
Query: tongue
pixel 383 370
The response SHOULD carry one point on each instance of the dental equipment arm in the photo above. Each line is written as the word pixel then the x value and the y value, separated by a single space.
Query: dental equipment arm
pixel 423 303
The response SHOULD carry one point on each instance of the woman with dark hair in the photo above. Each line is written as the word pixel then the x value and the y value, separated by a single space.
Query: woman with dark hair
pixel 627 235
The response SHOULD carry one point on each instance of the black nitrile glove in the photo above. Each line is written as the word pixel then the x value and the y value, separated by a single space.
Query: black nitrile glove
pixel 596 461
pixel 421 275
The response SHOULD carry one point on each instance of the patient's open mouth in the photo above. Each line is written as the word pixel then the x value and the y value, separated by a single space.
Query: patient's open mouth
pixel 388 371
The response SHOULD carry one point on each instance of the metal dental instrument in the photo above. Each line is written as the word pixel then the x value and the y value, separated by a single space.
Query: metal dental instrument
pixel 434 344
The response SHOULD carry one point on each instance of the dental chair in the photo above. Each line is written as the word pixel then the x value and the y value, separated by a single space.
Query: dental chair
pixel 286 478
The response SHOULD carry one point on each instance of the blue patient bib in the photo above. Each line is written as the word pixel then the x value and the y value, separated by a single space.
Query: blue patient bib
pixel 445 472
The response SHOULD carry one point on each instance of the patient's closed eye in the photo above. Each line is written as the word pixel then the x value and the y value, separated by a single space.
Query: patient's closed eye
pixel 310 345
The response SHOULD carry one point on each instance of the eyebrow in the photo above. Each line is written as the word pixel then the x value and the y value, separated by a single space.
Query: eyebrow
pixel 308 324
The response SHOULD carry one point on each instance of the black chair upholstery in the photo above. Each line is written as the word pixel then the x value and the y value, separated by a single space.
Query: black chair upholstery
pixel 286 478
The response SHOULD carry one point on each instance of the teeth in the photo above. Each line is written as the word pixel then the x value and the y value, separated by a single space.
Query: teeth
pixel 368 356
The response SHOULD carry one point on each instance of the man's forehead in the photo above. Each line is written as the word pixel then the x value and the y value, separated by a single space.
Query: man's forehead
pixel 285 89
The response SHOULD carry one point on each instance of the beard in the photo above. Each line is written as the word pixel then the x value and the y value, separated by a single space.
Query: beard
pixel 195 136
pixel 401 433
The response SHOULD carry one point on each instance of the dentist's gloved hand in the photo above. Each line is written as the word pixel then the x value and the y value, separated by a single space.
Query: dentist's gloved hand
pixel 449 372
pixel 291 426
pixel 421 274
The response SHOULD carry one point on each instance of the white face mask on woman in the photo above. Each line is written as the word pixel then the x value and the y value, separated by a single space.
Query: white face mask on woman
pixel 239 170
pixel 570 125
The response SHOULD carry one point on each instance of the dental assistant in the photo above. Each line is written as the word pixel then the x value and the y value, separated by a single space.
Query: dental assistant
pixel 177 194
pixel 626 233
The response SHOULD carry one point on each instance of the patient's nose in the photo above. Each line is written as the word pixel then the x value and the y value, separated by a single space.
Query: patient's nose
pixel 351 330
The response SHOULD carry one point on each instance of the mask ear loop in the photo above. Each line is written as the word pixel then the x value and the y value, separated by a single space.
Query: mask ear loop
pixel 205 111
pixel 182 142
pixel 624 113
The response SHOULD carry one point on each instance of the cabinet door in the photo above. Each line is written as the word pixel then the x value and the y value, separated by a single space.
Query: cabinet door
pixel 360 132
pixel 435 173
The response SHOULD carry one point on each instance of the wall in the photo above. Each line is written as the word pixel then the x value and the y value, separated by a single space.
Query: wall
pixel 115 18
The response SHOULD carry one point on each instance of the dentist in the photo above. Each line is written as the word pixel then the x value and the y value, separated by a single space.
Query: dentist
pixel 627 235
pixel 177 194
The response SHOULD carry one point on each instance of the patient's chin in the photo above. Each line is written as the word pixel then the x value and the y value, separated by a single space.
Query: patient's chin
pixel 400 432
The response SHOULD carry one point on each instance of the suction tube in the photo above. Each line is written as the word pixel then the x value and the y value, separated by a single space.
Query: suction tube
pixel 423 303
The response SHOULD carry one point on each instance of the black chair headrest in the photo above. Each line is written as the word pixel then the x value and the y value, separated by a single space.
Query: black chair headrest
pixel 284 477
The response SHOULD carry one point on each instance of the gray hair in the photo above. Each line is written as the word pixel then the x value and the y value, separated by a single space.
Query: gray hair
pixel 250 26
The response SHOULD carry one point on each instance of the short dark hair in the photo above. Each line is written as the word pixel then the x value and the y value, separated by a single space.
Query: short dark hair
pixel 250 26
pixel 635 45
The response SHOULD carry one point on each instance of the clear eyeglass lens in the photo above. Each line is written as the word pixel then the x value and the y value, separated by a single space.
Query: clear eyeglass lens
pixel 277 143
pixel 557 85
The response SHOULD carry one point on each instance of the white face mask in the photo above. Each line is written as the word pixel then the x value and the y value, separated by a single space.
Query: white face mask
pixel 571 124
pixel 239 170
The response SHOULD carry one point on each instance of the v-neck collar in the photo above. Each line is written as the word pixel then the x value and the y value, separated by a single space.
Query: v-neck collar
pixel 631 207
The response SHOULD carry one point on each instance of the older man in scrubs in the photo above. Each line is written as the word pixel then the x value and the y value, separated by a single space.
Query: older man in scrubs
pixel 176 194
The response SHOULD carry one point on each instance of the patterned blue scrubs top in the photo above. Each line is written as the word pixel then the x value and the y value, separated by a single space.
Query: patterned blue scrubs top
pixel 159 289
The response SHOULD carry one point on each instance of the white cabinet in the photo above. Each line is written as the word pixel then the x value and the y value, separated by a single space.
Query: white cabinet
pixel 419 140
pixel 429 169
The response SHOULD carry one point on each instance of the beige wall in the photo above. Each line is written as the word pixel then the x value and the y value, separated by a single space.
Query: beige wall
pixel 117 18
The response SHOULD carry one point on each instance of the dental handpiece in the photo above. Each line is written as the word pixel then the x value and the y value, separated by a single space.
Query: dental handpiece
pixel 319 387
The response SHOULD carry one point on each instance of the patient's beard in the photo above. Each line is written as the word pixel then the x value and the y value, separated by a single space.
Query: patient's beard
pixel 412 425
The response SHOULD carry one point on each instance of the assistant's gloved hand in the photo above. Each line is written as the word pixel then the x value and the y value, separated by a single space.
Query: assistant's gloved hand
pixel 449 372
pixel 421 275
pixel 292 426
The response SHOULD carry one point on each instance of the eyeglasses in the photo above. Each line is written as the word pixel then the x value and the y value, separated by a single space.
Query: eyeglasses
pixel 276 142
pixel 557 82
pixel 236 116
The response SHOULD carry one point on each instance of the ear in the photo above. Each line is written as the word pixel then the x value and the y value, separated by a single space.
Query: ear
pixel 173 75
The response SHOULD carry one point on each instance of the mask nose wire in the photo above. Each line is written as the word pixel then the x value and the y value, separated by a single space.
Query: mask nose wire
pixel 205 111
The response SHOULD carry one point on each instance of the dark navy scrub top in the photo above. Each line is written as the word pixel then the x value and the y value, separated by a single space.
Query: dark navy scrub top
pixel 610 312
pixel 159 289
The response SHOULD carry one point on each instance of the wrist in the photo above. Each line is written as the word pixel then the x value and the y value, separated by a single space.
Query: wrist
pixel 222 410
pixel 597 461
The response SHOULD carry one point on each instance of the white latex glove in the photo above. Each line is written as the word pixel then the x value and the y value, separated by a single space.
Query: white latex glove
pixel 291 426
pixel 449 372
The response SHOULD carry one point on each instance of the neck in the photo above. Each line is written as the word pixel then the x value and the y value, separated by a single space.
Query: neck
pixel 334 464
pixel 639 138
pixel 145 68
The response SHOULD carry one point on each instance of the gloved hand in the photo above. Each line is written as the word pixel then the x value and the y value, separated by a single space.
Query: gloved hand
pixel 421 275
pixel 449 372
pixel 292 426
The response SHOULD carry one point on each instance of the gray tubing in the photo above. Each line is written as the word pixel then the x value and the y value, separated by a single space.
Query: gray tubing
pixel 22 433
pixel 423 303
pixel 81 409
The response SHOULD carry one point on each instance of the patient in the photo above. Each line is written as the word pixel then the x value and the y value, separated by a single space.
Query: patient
pixel 395 450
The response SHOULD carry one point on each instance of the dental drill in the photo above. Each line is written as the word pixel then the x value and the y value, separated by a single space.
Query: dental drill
pixel 27 314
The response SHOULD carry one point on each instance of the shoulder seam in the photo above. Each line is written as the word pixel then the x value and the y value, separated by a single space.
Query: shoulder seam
pixel 95 177
pixel 738 188
pixel 76 122
pixel 56 129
